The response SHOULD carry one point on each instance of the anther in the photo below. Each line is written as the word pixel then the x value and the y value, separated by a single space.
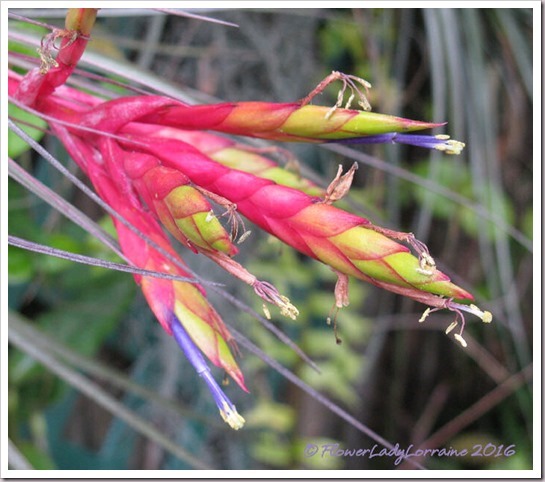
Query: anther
pixel 459 338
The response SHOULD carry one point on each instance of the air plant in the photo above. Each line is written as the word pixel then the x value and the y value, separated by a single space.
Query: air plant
pixel 149 159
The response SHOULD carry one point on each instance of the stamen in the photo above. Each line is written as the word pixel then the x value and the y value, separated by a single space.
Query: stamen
pixel 235 221
pixel 451 327
pixel 287 309
pixel 349 102
pixel 231 416
pixel 233 218
pixel 450 146
pixel 427 263
pixel 244 236
pixel 340 96
pixel 46 58
pixel 225 380
pixel 338 104
pixel 349 81
pixel 269 293
pixel 341 300
pixel 334 311
pixel 486 316
pixel 426 313
pixel 338 340
pixel 450 305
pixel 457 308
pixel 459 338
pixel 330 112
pixel 47 44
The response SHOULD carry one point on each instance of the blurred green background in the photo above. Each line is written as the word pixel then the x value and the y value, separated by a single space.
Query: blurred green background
pixel 407 381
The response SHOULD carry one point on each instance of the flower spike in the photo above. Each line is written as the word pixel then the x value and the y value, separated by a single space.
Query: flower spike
pixel 346 242
pixel 289 122
pixel 166 298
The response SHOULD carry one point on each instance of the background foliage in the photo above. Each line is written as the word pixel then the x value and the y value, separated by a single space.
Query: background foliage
pixel 408 382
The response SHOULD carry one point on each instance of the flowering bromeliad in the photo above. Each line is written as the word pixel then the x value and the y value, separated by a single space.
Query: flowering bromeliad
pixel 150 161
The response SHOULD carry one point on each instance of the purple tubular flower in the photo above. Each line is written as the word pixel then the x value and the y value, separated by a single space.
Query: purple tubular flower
pixel 440 142
pixel 227 410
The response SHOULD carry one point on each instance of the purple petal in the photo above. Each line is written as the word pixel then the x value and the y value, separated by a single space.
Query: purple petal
pixel 193 354
pixel 439 142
